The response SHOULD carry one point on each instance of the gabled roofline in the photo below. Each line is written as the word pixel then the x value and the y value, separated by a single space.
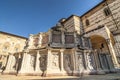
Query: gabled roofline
pixel 93 8
pixel 13 35
pixel 70 17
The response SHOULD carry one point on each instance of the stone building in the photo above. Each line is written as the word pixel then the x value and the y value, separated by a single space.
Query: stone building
pixel 87 44
pixel 10 44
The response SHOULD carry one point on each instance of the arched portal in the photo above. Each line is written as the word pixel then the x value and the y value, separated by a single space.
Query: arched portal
pixel 103 55
pixel 99 43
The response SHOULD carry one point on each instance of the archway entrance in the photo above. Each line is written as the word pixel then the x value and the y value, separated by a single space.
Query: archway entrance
pixel 103 55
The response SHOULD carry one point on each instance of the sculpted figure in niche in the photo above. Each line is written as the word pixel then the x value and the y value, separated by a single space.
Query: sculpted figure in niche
pixel 43 62
pixel 67 62
pixel 30 40
pixel 80 62
pixel 55 60
pixel 32 61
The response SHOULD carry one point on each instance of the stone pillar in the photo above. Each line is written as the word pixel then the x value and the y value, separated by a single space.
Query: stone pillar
pixel 40 40
pixel 48 71
pixel 63 38
pixel 30 41
pixel 74 61
pixel 114 58
pixel 90 45
pixel 24 66
pixel 8 63
pixel 97 62
pixel 9 67
pixel 75 38
pixel 61 58
pixel 37 65
pixel 111 49
pixel 50 36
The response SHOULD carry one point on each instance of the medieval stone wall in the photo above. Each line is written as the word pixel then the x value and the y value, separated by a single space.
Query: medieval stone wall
pixel 97 17
pixel 11 44
pixel 73 24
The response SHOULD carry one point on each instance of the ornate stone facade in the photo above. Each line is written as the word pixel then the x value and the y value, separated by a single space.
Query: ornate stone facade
pixel 10 44
pixel 87 44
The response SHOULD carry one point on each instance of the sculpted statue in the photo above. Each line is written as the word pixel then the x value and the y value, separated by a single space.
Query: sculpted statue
pixel 43 62
pixel 30 40
pixel 32 61
pixel 67 62
pixel 55 60
pixel 80 62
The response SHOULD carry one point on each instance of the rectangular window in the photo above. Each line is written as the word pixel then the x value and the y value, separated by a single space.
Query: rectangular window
pixel 69 39
pixel 56 38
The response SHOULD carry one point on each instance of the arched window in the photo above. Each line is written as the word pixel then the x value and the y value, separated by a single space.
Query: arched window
pixel 87 22
pixel 6 47
pixel 107 11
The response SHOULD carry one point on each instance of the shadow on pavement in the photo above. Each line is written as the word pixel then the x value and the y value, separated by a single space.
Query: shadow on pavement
pixel 58 79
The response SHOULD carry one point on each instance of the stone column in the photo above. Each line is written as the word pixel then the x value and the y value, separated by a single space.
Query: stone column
pixel 61 58
pixel 8 66
pixel 74 61
pixel 49 62
pixel 37 65
pixel 75 38
pixel 23 64
pixel 63 38
pixel 40 40
pixel 114 58
pixel 90 44
pixel 50 36
pixel 97 62
pixel 30 41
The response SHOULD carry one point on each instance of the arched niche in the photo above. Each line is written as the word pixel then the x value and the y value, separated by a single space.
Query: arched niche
pixel 99 43
pixel 17 48
pixel 6 47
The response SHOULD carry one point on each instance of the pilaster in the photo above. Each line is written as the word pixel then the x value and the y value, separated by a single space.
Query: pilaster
pixel 114 58
pixel 61 58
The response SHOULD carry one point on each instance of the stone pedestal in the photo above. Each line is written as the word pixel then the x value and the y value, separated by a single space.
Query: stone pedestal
pixel 10 67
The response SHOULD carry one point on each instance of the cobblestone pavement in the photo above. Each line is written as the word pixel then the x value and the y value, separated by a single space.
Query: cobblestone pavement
pixel 115 76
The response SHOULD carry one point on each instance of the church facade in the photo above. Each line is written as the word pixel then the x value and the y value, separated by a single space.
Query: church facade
pixel 87 44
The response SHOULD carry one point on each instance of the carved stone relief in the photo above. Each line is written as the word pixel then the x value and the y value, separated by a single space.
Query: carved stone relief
pixel 43 62
pixel 36 41
pixel 86 42
pixel 55 60
pixel 80 65
pixel 45 39
pixel 13 62
pixel 67 62
pixel 32 62
pixel 30 40
pixel 90 62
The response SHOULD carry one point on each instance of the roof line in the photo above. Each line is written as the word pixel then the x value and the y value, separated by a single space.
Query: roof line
pixel 13 35
pixel 93 8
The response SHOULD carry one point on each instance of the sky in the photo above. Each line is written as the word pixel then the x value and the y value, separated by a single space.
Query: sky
pixel 24 17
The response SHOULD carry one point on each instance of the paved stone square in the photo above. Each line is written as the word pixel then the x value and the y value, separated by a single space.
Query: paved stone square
pixel 114 76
